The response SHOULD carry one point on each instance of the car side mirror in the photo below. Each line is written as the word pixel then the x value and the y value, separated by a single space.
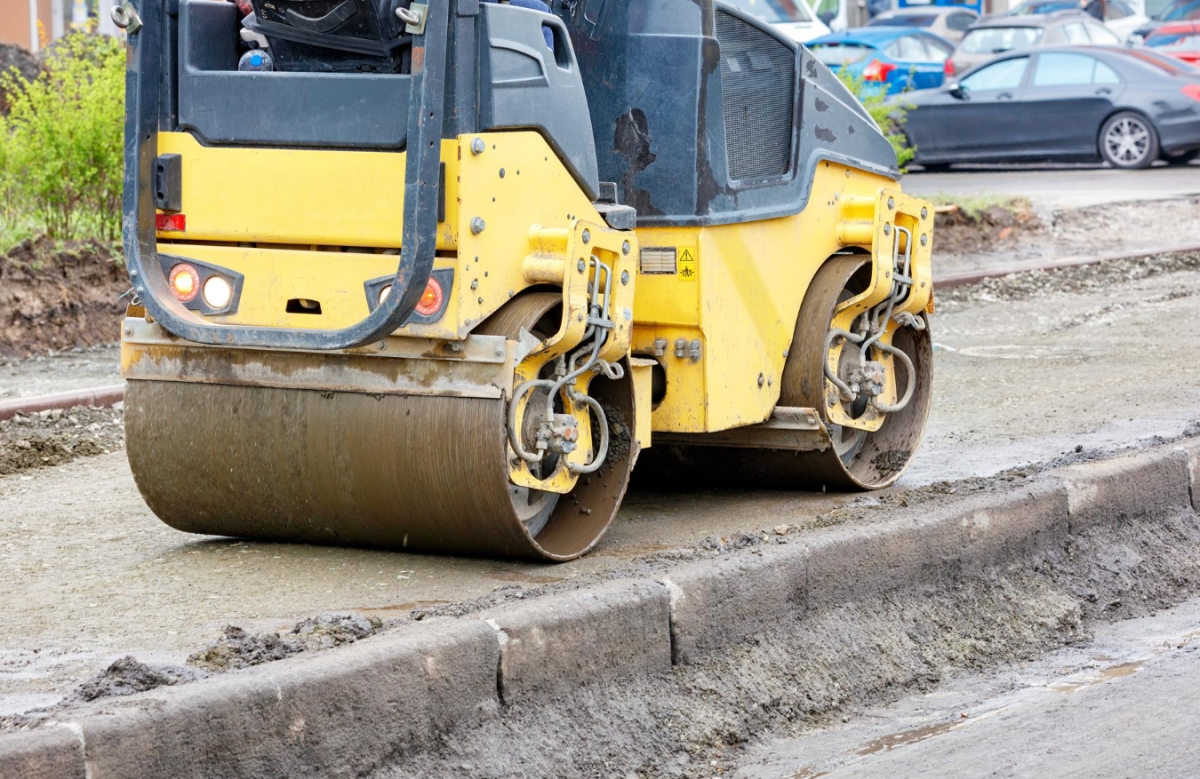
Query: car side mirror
pixel 957 91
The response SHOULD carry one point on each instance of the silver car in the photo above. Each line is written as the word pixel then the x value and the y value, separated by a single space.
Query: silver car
pixel 999 34
pixel 948 22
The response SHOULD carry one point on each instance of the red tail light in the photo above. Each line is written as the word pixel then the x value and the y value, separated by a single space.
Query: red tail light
pixel 877 71
pixel 432 299
pixel 170 223
pixel 949 67
pixel 1192 91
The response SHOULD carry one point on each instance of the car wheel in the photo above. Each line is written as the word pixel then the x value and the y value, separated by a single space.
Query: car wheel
pixel 1128 140
pixel 1182 158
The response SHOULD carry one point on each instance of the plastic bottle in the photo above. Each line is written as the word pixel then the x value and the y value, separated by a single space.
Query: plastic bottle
pixel 256 60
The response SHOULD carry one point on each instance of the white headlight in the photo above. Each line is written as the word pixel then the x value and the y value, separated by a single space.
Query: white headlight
pixel 383 293
pixel 217 292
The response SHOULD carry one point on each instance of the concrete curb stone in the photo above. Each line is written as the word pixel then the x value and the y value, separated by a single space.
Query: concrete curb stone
pixel 851 563
pixel 48 753
pixel 290 718
pixel 1191 448
pixel 557 643
pixel 1146 484
pixel 712 608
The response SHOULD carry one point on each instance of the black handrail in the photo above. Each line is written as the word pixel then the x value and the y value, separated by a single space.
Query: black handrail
pixel 142 95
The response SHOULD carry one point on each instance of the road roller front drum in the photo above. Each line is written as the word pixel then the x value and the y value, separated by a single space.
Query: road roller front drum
pixel 812 377
pixel 852 458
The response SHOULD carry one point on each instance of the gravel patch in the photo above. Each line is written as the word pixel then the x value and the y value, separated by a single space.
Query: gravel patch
pixel 54 437
pixel 1073 279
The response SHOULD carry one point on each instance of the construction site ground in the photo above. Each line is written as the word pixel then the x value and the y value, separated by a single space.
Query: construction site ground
pixel 1031 369
pixel 1119 705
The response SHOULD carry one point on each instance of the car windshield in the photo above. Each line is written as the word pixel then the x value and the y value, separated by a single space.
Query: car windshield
pixel 993 40
pixel 835 54
pixel 775 11
pixel 1043 7
pixel 1175 41
pixel 904 20
pixel 1180 10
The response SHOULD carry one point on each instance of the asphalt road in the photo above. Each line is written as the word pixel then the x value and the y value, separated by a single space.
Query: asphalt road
pixel 1122 707
pixel 1064 186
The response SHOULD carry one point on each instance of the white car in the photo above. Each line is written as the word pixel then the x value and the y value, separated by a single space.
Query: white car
pixel 1120 16
pixel 793 18
pixel 1123 18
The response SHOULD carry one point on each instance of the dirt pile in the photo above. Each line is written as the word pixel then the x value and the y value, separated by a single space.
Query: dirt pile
pixel 128 675
pixel 54 298
pixel 55 437
pixel 238 648
pixel 964 230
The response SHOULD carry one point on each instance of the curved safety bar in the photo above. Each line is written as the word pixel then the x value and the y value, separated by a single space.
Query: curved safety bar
pixel 142 115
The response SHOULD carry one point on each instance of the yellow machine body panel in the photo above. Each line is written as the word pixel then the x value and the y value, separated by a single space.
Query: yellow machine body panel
pixel 322 233
pixel 737 290
pixel 317 197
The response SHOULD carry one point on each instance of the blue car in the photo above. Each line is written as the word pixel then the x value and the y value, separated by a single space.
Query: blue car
pixel 889 59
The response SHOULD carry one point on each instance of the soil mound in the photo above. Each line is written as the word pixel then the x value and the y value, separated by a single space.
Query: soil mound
pixel 54 298
pixel 992 228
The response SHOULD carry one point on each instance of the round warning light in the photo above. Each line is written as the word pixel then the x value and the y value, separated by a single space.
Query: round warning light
pixel 431 300
pixel 185 282
pixel 217 292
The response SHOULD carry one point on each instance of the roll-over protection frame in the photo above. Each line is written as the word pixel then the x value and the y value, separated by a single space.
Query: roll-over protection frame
pixel 143 90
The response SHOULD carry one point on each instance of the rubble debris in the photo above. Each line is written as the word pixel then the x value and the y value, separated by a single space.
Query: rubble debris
pixel 127 675
pixel 239 648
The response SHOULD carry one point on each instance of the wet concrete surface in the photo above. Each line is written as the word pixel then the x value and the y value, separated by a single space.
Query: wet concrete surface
pixel 88 573
pixel 1120 706
pixel 24 377
pixel 1061 186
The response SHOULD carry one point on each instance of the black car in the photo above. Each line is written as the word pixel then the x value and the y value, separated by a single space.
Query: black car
pixel 1125 106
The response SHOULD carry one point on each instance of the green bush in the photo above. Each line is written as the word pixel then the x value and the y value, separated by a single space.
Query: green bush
pixel 61 144
pixel 887 113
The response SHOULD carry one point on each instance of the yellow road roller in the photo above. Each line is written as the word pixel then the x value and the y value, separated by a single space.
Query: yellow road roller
pixel 430 276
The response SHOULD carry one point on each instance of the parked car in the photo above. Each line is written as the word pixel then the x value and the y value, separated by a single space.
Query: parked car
pixel 1177 11
pixel 893 58
pixel 1000 34
pixel 1180 40
pixel 1125 106
pixel 794 18
pixel 1120 16
pixel 946 22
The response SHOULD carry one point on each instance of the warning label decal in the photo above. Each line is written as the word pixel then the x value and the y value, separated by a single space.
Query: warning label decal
pixel 686 267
